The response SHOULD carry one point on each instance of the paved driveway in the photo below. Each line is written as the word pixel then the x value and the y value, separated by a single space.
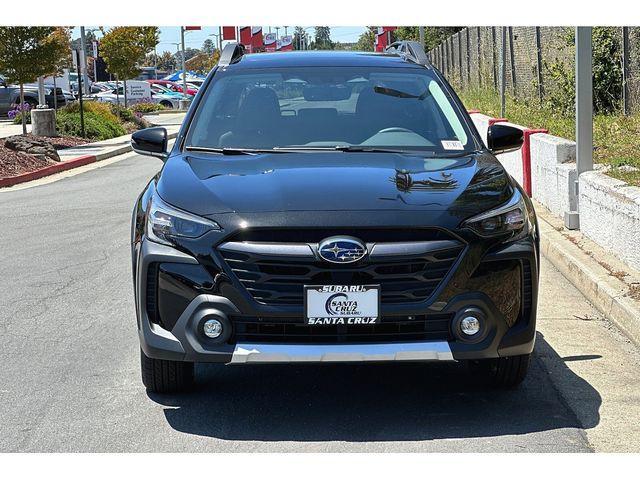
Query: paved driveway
pixel 70 381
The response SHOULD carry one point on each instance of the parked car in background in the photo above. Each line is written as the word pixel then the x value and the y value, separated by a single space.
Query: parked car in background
pixel 174 86
pixel 161 90
pixel 116 96
pixel 10 95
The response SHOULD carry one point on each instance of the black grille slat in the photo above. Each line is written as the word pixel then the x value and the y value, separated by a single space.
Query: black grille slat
pixel 279 280
pixel 527 288
pixel 390 329
pixel 152 293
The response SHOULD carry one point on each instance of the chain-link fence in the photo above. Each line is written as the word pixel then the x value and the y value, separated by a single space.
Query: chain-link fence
pixel 539 61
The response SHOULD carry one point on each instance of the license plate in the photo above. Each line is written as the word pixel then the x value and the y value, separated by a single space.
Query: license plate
pixel 342 304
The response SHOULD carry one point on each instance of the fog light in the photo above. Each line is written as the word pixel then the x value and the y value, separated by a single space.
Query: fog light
pixel 470 326
pixel 212 328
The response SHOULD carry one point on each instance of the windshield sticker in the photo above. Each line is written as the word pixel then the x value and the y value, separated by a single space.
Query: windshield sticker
pixel 452 145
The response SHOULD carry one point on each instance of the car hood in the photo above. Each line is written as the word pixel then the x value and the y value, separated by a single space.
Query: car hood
pixel 211 183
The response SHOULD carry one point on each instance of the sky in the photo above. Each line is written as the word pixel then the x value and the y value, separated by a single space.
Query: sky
pixel 169 36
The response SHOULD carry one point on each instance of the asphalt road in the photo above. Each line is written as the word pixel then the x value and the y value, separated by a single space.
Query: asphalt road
pixel 69 365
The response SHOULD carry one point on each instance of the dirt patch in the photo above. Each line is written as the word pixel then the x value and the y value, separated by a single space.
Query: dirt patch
pixel 14 163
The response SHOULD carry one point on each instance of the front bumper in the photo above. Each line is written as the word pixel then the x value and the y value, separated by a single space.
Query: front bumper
pixel 184 341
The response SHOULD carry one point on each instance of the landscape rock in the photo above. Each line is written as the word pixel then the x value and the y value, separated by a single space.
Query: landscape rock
pixel 32 146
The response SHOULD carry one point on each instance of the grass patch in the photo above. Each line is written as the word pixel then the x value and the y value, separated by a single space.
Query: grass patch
pixel 616 138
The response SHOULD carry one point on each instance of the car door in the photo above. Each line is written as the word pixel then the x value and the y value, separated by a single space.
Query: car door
pixel 6 94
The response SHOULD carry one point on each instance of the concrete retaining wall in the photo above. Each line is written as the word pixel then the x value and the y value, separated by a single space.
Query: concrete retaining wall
pixel 610 215
pixel 609 208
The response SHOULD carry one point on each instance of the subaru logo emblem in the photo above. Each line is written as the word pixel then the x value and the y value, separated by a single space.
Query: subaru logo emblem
pixel 341 249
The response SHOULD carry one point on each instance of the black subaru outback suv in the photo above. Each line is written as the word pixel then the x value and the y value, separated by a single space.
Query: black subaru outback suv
pixel 332 207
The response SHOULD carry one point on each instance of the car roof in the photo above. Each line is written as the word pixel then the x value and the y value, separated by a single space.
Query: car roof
pixel 322 58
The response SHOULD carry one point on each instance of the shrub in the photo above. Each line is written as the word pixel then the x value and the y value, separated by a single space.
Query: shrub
pixel 148 107
pixel 97 125
pixel 99 108
pixel 607 74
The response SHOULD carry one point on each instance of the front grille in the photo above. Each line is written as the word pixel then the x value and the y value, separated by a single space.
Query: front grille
pixel 390 329
pixel 278 279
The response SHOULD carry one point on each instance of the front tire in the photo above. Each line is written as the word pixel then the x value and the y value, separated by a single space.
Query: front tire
pixel 166 376
pixel 505 372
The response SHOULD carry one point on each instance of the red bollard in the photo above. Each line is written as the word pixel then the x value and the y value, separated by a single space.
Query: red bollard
pixel 496 120
pixel 526 157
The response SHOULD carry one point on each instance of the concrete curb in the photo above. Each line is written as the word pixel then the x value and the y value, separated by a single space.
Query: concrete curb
pixel 607 293
pixel 68 165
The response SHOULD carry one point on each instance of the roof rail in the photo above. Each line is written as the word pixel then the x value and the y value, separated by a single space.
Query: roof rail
pixel 231 53
pixel 411 51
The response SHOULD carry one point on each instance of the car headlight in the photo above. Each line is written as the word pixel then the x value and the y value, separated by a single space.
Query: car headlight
pixel 165 223
pixel 509 218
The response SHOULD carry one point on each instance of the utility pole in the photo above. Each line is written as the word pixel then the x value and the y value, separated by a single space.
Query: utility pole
pixel 83 46
pixel 421 32
pixel 220 39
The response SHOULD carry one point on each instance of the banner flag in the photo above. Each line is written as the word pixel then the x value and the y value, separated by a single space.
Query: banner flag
pixel 257 43
pixel 245 37
pixel 270 42
pixel 286 43
pixel 228 33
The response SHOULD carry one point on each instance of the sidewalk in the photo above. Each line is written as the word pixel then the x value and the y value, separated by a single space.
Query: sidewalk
pixel 7 128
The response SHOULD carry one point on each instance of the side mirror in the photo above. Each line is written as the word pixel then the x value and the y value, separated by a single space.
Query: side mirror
pixel 504 138
pixel 151 141
pixel 3 84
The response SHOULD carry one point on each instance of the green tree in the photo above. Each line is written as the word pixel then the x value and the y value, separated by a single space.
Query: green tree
pixel 322 39
pixel 27 53
pixel 188 54
pixel 164 60
pixel 208 47
pixel 63 41
pixel 366 41
pixel 607 74
pixel 203 63
pixel 299 35
pixel 124 48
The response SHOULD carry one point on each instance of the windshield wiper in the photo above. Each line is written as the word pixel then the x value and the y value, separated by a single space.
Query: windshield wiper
pixel 231 151
pixel 392 92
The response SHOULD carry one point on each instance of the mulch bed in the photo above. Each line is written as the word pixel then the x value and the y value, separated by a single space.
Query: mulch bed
pixel 14 163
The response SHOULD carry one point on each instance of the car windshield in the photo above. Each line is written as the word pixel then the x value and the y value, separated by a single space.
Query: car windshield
pixel 325 108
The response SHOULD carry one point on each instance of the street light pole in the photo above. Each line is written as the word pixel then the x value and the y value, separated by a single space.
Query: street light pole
pixel 83 45
pixel 584 120
pixel 184 68
pixel 584 100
